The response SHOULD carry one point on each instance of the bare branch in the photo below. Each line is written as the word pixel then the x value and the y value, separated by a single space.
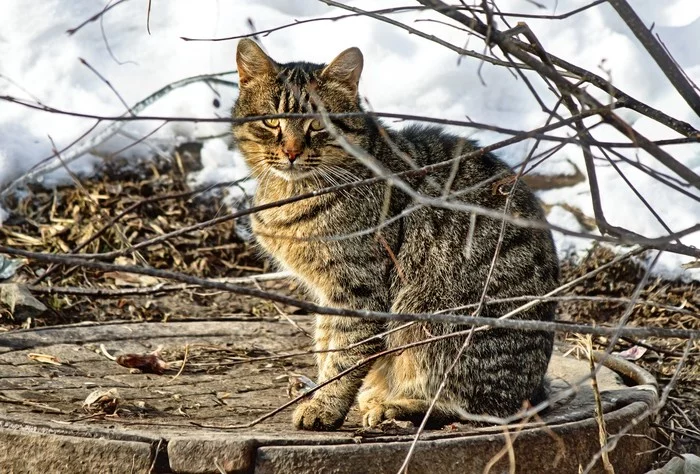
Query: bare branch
pixel 65 259
pixel 94 17
pixel 658 53
pixel 549 72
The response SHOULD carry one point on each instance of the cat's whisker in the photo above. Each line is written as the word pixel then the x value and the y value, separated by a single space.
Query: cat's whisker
pixel 334 179
pixel 349 175
pixel 335 182
pixel 342 177
pixel 330 171
pixel 317 180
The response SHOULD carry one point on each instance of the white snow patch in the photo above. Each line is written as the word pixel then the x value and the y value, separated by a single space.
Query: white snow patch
pixel 221 164
pixel 403 73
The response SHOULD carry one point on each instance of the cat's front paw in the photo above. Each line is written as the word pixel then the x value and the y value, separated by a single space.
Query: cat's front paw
pixel 316 415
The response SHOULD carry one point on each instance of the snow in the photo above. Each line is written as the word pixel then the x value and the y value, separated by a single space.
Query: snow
pixel 403 73
pixel 217 161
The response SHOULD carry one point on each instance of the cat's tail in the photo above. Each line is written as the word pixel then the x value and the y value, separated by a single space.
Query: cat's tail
pixel 541 393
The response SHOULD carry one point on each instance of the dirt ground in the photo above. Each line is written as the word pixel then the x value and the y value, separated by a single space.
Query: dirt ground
pixel 155 199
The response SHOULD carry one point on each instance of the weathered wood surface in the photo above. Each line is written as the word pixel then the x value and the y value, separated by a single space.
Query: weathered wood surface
pixel 231 377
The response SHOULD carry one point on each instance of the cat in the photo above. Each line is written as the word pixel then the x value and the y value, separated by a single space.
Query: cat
pixel 428 260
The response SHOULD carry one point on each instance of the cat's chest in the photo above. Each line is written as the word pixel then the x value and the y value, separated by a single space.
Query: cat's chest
pixel 294 238
pixel 305 260
pixel 294 249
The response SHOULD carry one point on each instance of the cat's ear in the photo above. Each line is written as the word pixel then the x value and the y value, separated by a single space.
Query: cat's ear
pixel 345 68
pixel 252 61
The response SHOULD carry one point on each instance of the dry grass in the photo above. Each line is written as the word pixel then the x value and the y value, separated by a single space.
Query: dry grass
pixel 679 423
pixel 64 220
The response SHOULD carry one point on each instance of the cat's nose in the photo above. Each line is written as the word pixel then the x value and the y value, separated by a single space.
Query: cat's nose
pixel 292 153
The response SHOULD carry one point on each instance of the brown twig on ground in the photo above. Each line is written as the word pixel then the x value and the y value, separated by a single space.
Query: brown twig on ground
pixel 40 406
pixel 182 366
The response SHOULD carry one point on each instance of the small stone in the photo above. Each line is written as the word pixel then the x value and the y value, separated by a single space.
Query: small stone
pixel 20 302
pixel 9 266
pixel 688 464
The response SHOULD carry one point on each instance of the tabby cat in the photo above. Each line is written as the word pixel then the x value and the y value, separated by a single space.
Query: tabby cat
pixel 428 260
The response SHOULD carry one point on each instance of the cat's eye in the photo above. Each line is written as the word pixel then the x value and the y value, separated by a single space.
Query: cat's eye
pixel 316 125
pixel 272 123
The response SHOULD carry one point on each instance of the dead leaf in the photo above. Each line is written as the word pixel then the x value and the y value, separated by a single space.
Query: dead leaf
pixel 147 363
pixel 299 384
pixel 633 353
pixel 44 358
pixel 102 400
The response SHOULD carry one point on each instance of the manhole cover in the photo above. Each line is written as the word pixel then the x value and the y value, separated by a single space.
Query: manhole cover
pixel 66 407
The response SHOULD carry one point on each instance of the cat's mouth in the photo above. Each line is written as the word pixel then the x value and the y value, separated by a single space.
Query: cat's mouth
pixel 292 172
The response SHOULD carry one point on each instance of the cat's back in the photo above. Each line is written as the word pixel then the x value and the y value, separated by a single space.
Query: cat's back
pixel 462 243
pixel 429 145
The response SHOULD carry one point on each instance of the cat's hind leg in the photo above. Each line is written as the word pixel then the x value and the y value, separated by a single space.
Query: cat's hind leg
pixel 375 388
pixel 377 402
pixel 394 391
pixel 408 409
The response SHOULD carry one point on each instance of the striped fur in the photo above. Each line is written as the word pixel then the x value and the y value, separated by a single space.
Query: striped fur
pixel 427 261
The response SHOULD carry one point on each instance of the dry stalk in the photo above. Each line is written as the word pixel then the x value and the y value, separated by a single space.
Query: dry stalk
pixel 599 415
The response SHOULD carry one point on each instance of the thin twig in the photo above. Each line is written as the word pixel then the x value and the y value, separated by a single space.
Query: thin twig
pixel 599 415
pixel 148 18
pixel 109 84
pixel 94 17
pixel 612 442
pixel 658 53
pixel 510 47
pixel 182 366
pixel 87 145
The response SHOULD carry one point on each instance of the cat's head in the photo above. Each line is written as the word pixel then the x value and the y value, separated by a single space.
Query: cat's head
pixel 296 148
